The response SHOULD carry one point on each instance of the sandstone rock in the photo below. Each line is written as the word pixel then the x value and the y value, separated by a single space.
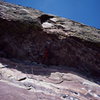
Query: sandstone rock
pixel 2 66
pixel 47 25
pixel 48 84
pixel 56 76
pixel 73 48
pixel 70 43
pixel 16 93
pixel 12 74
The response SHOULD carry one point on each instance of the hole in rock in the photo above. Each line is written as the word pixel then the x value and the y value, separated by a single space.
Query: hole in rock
pixel 44 18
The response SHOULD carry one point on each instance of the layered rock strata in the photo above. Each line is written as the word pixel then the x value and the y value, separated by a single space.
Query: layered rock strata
pixel 73 55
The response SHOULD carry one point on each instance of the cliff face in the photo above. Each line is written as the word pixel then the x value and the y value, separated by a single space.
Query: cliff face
pixel 25 33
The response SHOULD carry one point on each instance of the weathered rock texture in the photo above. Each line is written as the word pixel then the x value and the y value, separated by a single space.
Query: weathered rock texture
pixel 24 35
pixel 20 80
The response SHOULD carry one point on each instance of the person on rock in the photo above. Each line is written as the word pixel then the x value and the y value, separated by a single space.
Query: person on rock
pixel 46 56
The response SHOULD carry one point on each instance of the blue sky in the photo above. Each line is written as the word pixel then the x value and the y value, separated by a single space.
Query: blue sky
pixel 83 11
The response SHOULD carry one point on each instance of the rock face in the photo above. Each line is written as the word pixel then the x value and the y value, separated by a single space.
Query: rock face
pixel 25 35
pixel 23 81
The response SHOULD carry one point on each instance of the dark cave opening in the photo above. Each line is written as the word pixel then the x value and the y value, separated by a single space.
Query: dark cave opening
pixel 44 18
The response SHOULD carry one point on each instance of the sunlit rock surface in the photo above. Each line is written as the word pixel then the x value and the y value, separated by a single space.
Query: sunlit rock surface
pixel 74 56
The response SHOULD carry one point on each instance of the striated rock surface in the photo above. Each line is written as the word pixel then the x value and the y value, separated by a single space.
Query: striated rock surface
pixel 24 81
pixel 74 55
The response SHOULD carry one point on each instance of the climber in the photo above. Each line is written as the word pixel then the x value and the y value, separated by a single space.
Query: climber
pixel 46 56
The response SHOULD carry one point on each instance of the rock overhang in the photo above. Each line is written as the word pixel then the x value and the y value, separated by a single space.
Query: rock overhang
pixel 26 31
